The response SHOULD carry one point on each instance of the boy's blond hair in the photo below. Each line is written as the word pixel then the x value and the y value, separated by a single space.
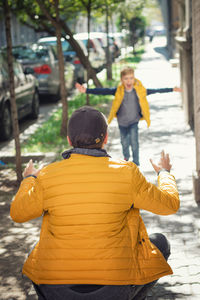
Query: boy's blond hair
pixel 126 70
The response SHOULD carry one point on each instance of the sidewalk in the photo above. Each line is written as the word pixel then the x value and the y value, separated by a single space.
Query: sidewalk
pixel 169 131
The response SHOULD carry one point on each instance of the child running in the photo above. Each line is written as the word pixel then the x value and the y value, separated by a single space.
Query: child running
pixel 129 106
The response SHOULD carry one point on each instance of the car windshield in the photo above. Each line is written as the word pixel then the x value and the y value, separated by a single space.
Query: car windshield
pixel 65 45
pixel 28 53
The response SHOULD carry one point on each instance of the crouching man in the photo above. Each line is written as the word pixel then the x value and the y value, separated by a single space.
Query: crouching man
pixel 93 243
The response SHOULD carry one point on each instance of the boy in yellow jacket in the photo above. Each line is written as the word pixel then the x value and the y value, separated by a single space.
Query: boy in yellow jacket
pixel 93 243
pixel 129 106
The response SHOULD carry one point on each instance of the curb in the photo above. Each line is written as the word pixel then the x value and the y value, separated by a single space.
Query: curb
pixel 36 157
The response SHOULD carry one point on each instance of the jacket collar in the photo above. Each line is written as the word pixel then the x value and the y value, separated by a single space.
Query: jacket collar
pixel 91 152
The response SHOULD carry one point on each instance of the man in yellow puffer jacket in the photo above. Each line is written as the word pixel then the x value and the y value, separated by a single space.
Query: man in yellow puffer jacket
pixel 93 243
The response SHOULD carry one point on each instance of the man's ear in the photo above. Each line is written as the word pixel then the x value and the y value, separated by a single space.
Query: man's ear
pixel 69 141
pixel 106 139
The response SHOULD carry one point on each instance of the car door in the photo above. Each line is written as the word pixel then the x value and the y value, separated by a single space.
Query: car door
pixel 24 90
pixel 6 82
pixel 54 80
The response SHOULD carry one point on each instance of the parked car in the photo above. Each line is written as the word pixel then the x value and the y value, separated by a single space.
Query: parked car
pixel 97 55
pixel 119 38
pixel 26 92
pixel 102 38
pixel 69 54
pixel 44 61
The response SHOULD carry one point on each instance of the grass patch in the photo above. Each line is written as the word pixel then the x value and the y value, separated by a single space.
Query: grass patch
pixel 47 138
pixel 134 58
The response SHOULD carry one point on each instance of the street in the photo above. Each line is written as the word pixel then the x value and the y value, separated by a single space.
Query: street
pixel 27 127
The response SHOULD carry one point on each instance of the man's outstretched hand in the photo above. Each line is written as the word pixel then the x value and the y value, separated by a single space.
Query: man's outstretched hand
pixel 30 169
pixel 164 162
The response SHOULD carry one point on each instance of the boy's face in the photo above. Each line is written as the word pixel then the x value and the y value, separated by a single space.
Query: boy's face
pixel 128 81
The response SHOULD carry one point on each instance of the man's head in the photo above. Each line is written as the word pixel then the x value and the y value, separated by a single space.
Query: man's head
pixel 127 78
pixel 87 128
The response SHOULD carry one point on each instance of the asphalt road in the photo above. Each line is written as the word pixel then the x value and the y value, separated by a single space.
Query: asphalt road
pixel 28 126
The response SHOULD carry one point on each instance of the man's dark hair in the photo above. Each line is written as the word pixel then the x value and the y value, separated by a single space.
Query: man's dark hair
pixel 87 128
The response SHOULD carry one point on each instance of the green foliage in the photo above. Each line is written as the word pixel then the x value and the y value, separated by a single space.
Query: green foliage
pixel 137 25
pixel 136 58
pixel 133 8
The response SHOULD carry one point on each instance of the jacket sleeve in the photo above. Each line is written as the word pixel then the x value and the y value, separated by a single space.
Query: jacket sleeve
pixel 101 91
pixel 162 199
pixel 154 91
pixel 142 93
pixel 28 202
pixel 113 110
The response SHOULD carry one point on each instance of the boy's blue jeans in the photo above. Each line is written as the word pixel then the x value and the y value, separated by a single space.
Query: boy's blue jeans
pixel 129 138
pixel 107 292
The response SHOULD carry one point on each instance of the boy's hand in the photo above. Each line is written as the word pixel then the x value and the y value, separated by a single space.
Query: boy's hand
pixel 177 89
pixel 80 87
pixel 30 169
pixel 164 163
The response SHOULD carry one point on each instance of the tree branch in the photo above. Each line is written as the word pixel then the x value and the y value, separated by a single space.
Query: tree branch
pixel 46 13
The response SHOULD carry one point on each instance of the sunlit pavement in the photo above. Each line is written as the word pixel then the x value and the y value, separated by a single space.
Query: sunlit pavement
pixel 169 131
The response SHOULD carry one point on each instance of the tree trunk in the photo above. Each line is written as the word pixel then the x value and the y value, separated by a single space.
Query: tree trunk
pixel 108 56
pixel 63 90
pixel 15 123
pixel 88 51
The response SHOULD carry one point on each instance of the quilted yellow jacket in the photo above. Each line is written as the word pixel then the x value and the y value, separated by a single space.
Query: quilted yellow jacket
pixel 141 93
pixel 92 231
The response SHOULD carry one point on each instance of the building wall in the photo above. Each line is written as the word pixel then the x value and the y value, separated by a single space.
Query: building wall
pixel 183 40
pixel 187 38
pixel 196 75
pixel 20 33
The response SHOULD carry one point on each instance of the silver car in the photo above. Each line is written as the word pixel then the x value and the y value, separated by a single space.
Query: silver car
pixel 69 55
pixel 26 94
pixel 97 55
pixel 44 62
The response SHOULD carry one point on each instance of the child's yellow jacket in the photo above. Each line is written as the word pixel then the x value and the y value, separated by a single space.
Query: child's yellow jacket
pixel 92 231
pixel 141 93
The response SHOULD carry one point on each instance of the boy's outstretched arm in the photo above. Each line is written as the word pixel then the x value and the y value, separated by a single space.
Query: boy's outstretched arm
pixel 163 90
pixel 95 91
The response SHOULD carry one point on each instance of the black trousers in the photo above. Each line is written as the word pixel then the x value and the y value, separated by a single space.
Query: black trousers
pixel 102 292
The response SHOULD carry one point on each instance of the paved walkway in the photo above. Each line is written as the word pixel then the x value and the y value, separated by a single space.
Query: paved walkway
pixel 169 131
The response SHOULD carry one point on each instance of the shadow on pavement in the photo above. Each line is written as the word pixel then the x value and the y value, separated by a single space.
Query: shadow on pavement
pixel 16 242
pixel 164 291
pixel 163 51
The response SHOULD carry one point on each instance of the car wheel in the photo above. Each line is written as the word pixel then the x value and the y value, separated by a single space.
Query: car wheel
pixel 56 97
pixel 35 106
pixel 6 124
pixel 80 80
